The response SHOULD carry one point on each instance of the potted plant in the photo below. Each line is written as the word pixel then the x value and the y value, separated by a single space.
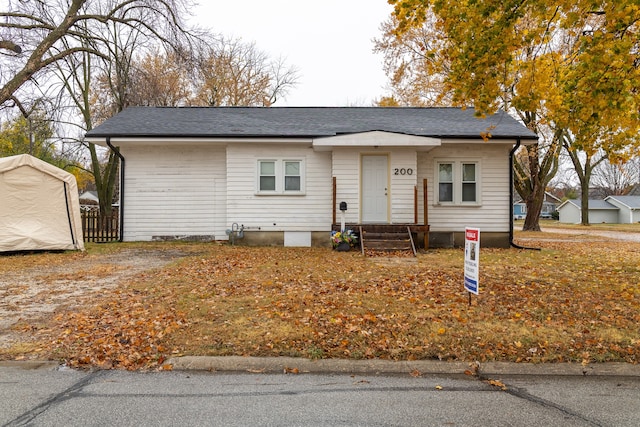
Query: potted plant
pixel 343 240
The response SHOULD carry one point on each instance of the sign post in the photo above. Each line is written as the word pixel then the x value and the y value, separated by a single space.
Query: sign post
pixel 471 260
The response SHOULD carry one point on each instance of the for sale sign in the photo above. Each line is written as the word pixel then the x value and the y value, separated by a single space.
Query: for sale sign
pixel 471 259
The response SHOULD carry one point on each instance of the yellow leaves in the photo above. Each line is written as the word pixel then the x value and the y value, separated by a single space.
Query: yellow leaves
pixel 497 383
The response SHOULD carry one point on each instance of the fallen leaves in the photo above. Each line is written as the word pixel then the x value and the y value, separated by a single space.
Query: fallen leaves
pixel 534 306
pixel 125 331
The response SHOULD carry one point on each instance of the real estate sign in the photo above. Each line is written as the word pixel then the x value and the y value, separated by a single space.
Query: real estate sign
pixel 471 259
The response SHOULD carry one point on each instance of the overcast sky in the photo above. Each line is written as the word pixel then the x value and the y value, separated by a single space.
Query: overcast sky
pixel 328 41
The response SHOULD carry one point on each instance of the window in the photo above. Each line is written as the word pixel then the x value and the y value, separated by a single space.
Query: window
pixel 445 182
pixel 469 182
pixel 458 182
pixel 267 176
pixel 292 176
pixel 280 177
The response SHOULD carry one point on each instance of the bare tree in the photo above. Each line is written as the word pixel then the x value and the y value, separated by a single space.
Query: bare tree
pixel 231 72
pixel 72 39
pixel 34 35
pixel 614 179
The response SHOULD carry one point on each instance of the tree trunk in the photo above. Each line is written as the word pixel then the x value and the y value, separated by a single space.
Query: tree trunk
pixel 584 203
pixel 534 207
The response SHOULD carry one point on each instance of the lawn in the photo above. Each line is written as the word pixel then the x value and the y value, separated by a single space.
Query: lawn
pixel 577 299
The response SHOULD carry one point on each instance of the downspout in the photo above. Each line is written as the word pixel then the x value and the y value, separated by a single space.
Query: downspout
pixel 121 219
pixel 511 156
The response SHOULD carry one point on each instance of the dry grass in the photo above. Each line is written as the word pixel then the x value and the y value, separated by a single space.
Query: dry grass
pixel 575 300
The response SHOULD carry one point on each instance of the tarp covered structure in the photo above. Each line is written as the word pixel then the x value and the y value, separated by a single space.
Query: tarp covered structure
pixel 39 207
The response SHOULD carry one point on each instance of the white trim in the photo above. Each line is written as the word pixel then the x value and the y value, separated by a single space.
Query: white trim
pixel 457 181
pixel 377 139
pixel 280 177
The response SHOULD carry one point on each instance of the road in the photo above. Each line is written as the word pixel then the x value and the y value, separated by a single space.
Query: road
pixel 62 397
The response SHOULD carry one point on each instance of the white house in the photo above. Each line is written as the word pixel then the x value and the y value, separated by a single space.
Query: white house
pixel 600 211
pixel 611 210
pixel 628 206
pixel 281 173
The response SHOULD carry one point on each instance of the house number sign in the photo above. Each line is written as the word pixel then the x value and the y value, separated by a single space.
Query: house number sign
pixel 403 171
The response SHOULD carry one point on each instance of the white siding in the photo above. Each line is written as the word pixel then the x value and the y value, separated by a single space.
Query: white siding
pixel 310 211
pixel 569 214
pixel 347 165
pixel 174 190
pixel 346 170
pixel 403 184
pixel 493 213
pixel 599 216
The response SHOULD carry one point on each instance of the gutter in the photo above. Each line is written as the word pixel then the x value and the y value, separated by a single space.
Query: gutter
pixel 121 219
pixel 511 242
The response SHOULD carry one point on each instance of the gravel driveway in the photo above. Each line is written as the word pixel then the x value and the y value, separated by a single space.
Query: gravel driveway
pixel 616 235
pixel 34 293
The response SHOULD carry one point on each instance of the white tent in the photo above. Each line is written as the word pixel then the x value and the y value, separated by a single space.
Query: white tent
pixel 39 208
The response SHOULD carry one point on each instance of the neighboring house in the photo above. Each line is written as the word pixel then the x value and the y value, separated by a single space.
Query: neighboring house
pixel 90 196
pixel 280 174
pixel 549 206
pixel 600 211
pixel 628 208
pixel 89 201
pixel 613 210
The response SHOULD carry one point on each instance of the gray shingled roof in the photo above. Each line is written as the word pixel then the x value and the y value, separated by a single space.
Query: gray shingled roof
pixel 631 201
pixel 593 204
pixel 306 122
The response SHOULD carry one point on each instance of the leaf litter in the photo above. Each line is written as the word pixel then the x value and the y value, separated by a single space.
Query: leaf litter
pixel 572 301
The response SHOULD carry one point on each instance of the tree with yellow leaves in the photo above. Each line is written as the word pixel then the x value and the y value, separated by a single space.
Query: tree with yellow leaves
pixel 569 69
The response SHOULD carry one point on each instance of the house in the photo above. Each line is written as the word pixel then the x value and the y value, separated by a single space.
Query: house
pixel 90 196
pixel 612 210
pixel 628 206
pixel 89 201
pixel 549 206
pixel 39 208
pixel 600 211
pixel 279 175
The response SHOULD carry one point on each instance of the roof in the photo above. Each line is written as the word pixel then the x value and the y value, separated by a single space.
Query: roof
pixel 593 204
pixel 632 202
pixel 307 122
pixel 554 200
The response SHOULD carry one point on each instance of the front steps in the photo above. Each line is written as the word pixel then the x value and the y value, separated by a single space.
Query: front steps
pixel 388 241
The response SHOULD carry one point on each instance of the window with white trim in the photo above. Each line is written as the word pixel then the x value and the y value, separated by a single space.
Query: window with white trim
pixel 458 182
pixel 280 176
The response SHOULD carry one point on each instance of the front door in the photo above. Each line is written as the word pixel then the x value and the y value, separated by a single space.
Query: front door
pixel 375 189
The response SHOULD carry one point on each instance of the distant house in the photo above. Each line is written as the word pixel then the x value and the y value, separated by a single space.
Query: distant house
pixel 628 208
pixel 612 210
pixel 549 206
pixel 282 173
pixel 89 196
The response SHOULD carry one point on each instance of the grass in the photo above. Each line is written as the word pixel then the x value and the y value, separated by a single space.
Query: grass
pixel 577 299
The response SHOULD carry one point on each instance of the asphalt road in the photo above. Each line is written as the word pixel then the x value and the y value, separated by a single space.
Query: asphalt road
pixel 50 396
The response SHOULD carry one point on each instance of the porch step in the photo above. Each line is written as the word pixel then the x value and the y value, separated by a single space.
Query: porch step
pixel 387 241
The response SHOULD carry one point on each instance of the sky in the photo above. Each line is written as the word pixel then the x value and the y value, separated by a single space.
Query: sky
pixel 330 42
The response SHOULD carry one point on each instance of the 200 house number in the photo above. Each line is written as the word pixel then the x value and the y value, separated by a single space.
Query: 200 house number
pixel 403 171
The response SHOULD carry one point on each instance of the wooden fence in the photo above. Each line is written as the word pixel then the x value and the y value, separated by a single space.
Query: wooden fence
pixel 100 229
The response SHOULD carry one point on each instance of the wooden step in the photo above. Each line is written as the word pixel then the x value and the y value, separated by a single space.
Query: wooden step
pixel 387 241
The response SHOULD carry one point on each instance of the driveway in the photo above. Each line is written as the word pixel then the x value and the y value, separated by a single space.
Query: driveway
pixel 616 235
pixel 37 292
